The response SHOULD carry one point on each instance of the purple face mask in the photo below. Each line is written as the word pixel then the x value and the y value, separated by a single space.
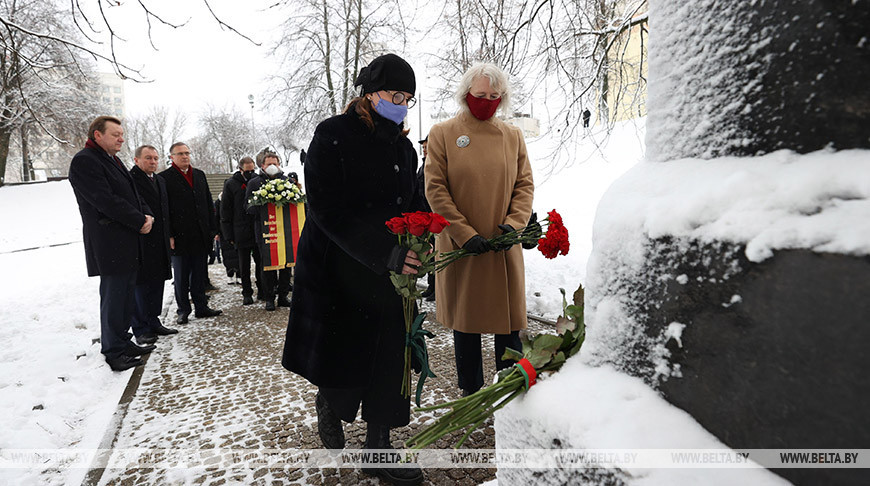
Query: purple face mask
pixel 390 111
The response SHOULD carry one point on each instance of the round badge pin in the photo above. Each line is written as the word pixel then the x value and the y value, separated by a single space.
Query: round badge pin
pixel 463 141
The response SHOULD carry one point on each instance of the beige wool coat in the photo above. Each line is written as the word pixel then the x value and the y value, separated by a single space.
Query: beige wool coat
pixel 477 187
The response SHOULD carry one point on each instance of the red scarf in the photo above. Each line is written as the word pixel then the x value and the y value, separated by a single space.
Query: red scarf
pixel 189 176
pixel 93 145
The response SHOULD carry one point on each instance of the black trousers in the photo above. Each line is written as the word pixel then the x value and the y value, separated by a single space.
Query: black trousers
pixel 190 272
pixel 276 282
pixel 117 305
pixel 245 255
pixel 469 361
pixel 380 393
pixel 149 304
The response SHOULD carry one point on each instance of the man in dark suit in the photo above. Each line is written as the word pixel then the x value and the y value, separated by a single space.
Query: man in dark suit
pixel 113 217
pixel 155 249
pixel 238 227
pixel 192 228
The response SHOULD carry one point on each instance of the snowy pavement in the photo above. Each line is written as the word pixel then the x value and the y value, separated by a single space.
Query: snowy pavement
pixel 219 385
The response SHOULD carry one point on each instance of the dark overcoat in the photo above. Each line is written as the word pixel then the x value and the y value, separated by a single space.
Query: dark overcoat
pixel 421 182
pixel 155 244
pixel 344 308
pixel 111 210
pixel 229 253
pixel 236 224
pixel 191 212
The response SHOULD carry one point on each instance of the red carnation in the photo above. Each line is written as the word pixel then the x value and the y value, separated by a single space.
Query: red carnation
pixel 556 239
pixel 418 222
pixel 438 223
pixel 397 225
pixel 554 218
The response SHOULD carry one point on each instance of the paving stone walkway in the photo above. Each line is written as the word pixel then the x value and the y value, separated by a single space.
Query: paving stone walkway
pixel 219 385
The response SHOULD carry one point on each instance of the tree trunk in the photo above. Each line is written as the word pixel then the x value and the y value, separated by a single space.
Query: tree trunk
pixel 463 42
pixel 600 56
pixel 327 60
pixel 5 136
pixel 358 38
pixel 26 164
pixel 346 82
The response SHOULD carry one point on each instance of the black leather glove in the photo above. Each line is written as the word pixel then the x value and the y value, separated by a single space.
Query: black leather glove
pixel 477 244
pixel 505 229
pixel 532 230
pixel 396 260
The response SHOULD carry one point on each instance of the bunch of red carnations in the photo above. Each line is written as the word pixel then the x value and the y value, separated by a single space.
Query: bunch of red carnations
pixel 550 235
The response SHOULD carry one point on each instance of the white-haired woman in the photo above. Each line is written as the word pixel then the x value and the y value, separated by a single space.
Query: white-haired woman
pixel 478 177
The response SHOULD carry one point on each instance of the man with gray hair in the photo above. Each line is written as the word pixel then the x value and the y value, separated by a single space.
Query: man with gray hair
pixel 192 228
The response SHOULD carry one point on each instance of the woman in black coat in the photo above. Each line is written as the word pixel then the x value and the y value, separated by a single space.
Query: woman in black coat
pixel 346 332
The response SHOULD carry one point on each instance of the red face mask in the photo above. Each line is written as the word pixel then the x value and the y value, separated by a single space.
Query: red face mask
pixel 482 108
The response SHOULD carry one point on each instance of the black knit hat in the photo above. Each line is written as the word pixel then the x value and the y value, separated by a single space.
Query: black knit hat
pixel 387 72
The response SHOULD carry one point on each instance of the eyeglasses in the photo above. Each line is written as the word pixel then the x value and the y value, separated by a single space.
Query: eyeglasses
pixel 183 154
pixel 399 97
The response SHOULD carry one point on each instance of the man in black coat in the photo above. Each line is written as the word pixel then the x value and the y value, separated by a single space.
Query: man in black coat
pixel 192 228
pixel 237 227
pixel 155 269
pixel 113 217
pixel 229 254
pixel 274 282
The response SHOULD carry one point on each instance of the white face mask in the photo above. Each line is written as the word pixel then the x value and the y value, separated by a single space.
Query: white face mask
pixel 272 170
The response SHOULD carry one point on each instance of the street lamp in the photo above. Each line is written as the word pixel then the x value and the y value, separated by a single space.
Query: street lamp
pixel 253 130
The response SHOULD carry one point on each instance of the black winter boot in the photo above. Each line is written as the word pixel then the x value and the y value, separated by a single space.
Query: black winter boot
pixel 378 437
pixel 328 425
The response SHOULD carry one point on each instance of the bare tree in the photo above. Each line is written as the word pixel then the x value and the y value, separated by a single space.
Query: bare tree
pixel 324 45
pixel 226 136
pixel 43 86
pixel 160 126
pixel 576 49
pixel 45 43
pixel 279 137
pixel 472 31
pixel 207 155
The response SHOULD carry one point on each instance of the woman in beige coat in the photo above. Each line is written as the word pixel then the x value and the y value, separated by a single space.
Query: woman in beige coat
pixel 478 177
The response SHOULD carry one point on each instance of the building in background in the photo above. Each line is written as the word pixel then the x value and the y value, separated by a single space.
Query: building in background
pixel 48 158
pixel 624 77
pixel 111 93
pixel 530 125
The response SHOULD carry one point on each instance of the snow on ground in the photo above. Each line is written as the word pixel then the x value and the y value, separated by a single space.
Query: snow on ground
pixel 50 308
pixel 601 409
pixel 56 391
pixel 574 192
pixel 38 215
